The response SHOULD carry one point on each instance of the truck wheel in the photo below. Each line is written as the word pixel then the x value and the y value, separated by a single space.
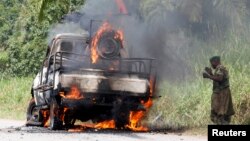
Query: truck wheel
pixel 69 120
pixel 34 115
pixel 121 114
pixel 121 120
pixel 55 121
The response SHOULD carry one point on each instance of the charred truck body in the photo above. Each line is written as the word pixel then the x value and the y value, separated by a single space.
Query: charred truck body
pixel 82 79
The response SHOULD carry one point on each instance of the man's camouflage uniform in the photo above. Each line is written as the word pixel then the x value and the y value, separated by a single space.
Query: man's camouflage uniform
pixel 221 106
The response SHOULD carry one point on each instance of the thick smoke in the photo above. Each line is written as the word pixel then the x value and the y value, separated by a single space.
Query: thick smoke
pixel 159 39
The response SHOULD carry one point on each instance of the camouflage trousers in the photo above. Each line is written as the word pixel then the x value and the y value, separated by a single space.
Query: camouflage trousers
pixel 222 107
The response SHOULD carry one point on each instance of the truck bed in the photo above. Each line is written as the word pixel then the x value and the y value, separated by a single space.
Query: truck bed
pixel 98 82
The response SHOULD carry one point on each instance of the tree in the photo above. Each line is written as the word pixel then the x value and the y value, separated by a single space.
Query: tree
pixel 68 5
pixel 8 15
pixel 27 44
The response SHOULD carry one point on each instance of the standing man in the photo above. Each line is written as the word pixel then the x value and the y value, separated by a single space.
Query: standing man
pixel 221 101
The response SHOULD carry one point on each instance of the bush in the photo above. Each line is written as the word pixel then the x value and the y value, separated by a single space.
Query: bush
pixel 3 60
pixel 26 60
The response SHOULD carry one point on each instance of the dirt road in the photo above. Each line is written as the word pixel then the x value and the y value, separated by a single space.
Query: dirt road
pixel 11 130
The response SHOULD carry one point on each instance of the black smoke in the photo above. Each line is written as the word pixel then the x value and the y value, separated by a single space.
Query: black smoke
pixel 160 39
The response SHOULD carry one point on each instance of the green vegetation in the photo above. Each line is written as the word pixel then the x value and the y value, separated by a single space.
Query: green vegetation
pixel 23 36
pixel 14 96
pixel 213 27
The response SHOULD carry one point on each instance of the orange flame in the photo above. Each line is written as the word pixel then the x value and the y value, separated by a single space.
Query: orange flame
pixel 152 86
pixel 108 124
pixel 78 129
pixel 94 54
pixel 106 27
pixel 122 7
pixel 74 93
pixel 119 35
pixel 62 116
pixel 45 114
pixel 135 117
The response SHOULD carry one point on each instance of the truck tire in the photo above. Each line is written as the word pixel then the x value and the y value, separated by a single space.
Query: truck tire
pixel 55 121
pixel 33 114
pixel 69 120
pixel 121 114
pixel 122 119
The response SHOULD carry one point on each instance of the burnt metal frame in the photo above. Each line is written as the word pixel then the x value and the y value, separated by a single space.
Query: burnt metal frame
pixel 52 59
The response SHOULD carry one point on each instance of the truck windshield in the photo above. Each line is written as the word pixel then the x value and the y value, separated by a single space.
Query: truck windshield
pixel 74 46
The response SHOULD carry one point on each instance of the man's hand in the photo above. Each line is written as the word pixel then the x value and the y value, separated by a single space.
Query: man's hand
pixel 208 70
pixel 206 75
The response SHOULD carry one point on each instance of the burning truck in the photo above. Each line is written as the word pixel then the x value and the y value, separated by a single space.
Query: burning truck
pixel 92 79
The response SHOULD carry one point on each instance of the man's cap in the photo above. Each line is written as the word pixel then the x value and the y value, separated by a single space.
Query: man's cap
pixel 214 58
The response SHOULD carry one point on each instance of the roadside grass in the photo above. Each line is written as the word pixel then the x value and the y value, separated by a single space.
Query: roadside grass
pixel 14 97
